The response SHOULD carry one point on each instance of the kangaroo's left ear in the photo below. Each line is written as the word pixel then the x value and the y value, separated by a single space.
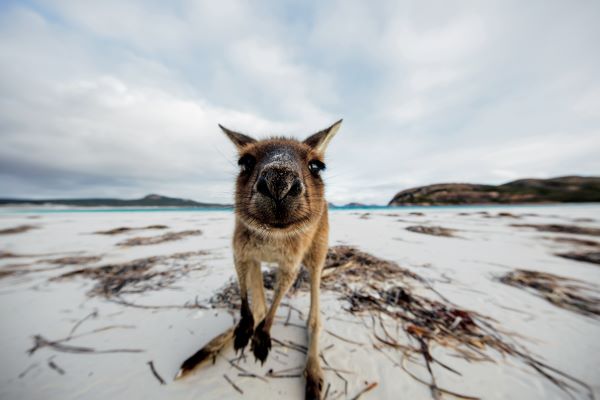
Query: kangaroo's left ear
pixel 321 139
pixel 239 139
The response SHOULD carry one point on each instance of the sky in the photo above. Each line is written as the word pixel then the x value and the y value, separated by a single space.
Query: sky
pixel 121 98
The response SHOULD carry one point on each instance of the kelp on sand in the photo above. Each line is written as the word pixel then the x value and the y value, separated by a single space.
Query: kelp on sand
pixel 570 294
pixel 384 291
pixel 138 276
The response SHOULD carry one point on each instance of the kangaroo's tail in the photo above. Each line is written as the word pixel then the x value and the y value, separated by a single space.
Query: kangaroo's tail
pixel 210 351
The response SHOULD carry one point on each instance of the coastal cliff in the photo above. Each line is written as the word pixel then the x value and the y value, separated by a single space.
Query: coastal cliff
pixel 567 189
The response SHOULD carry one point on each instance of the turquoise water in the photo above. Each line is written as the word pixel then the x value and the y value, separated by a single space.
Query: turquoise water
pixel 48 210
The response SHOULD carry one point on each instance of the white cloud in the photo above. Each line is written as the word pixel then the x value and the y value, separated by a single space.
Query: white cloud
pixel 451 42
pixel 123 98
pixel 269 71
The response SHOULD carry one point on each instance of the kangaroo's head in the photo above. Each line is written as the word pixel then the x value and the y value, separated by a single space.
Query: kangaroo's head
pixel 279 188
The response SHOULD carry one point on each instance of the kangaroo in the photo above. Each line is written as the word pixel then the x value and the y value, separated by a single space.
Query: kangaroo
pixel 280 217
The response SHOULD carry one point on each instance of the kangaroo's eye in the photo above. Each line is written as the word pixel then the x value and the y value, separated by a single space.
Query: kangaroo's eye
pixel 315 166
pixel 246 163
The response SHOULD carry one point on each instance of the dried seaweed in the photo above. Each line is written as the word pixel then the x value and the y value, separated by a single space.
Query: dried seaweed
pixel 73 260
pixel 355 264
pixel 426 321
pixel 123 229
pixel 432 230
pixel 228 297
pixel 137 276
pixel 55 367
pixel 563 292
pixel 374 287
pixel 167 237
pixel 507 215
pixel 26 371
pixel 41 342
pixel 322 356
pixel 584 220
pixel 585 256
pixel 236 387
pixel 366 389
pixel 5 273
pixel 24 269
pixel 8 254
pixel 557 228
pixel 343 339
pixel 155 373
pixel 576 241
pixel 17 229
pixel 502 215
pixel 185 306
pixel 93 314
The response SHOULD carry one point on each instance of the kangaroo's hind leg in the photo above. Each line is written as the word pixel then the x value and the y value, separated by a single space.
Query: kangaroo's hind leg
pixel 261 341
pixel 314 262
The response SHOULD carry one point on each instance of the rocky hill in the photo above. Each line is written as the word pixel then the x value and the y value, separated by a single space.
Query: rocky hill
pixel 151 200
pixel 567 189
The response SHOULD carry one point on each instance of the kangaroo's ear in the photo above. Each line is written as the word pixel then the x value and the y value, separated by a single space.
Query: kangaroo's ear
pixel 240 140
pixel 321 139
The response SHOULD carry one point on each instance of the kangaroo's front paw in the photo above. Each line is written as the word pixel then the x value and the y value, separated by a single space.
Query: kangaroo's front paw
pixel 261 342
pixel 243 332
pixel 314 381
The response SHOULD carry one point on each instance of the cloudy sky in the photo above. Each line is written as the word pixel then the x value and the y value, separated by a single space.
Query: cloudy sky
pixel 122 98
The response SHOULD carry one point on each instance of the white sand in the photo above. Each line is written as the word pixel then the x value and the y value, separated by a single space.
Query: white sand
pixel 487 247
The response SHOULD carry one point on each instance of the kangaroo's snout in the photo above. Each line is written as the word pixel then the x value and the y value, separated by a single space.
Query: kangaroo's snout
pixel 279 183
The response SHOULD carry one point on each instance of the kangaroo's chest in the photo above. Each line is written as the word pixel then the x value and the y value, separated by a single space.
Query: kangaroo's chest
pixel 276 252
pixel 285 251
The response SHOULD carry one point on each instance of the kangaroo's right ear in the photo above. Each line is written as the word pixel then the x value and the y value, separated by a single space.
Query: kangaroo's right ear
pixel 321 139
pixel 240 140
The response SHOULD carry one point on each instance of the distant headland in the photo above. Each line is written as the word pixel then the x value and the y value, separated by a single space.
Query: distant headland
pixel 566 189
pixel 151 200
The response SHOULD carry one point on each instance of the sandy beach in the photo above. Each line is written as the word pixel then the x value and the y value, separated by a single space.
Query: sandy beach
pixel 70 330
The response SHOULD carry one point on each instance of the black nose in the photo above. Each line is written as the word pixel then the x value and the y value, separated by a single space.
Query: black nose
pixel 277 185
pixel 263 187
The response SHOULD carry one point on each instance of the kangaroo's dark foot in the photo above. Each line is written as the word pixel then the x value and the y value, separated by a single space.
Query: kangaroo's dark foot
pixel 314 381
pixel 243 332
pixel 261 342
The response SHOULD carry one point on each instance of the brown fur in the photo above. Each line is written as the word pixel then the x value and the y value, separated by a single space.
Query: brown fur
pixel 289 231
pixel 281 217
